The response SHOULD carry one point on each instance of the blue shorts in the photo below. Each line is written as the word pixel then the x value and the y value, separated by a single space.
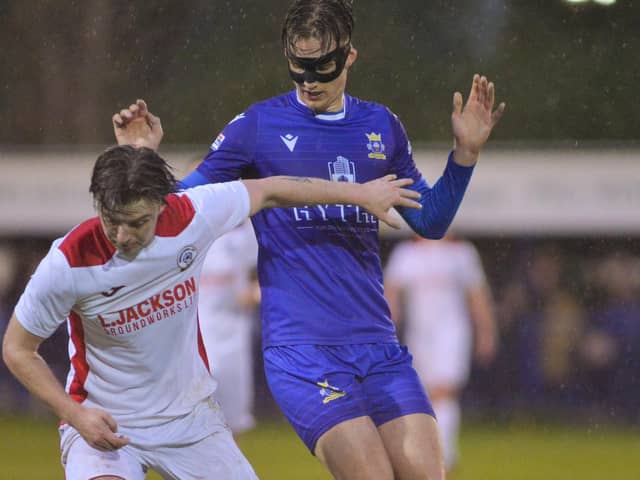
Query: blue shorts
pixel 319 386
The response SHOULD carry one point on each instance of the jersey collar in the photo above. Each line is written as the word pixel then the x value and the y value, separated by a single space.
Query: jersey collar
pixel 330 116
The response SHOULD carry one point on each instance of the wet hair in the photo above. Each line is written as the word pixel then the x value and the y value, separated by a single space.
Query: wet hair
pixel 327 20
pixel 124 174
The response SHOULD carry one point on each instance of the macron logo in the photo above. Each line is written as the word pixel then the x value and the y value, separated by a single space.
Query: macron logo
pixel 290 141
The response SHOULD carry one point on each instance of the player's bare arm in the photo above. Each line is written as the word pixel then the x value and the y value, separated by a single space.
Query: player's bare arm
pixel 137 126
pixel 20 353
pixel 376 196
pixel 482 315
pixel 473 124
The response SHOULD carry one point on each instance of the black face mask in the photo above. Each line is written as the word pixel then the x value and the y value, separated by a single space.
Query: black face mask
pixel 312 65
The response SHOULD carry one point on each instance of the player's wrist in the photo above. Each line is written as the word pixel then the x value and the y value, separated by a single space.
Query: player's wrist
pixel 70 411
pixel 465 156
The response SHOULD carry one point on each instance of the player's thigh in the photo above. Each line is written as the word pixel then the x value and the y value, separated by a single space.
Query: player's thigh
pixel 354 450
pixel 402 411
pixel 315 390
pixel 83 462
pixel 412 443
pixel 392 387
pixel 212 458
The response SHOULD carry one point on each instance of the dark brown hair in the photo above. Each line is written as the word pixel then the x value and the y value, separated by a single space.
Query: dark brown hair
pixel 326 20
pixel 124 174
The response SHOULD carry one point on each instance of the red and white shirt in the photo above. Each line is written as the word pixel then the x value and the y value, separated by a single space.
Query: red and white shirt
pixel 134 341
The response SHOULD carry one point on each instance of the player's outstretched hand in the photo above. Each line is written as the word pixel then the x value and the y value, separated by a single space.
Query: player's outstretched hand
pixel 386 192
pixel 98 428
pixel 473 124
pixel 137 126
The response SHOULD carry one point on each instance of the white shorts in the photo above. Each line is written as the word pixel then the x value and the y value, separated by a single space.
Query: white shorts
pixel 214 457
pixel 443 357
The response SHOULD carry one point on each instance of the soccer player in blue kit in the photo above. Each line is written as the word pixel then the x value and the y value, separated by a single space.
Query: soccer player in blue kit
pixel 331 354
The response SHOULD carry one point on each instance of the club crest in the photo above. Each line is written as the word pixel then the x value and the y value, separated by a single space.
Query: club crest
pixel 375 146
pixel 186 257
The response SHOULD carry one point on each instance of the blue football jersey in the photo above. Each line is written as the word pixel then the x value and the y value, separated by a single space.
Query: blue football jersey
pixel 319 266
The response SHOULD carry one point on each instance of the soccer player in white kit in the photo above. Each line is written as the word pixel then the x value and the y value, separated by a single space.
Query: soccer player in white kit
pixel 447 309
pixel 228 299
pixel 139 394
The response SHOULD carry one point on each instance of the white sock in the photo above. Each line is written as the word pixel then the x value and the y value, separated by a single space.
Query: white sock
pixel 448 414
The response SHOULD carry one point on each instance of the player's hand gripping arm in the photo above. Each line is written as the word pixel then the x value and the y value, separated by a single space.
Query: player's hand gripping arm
pixel 473 124
pixel 20 353
pixel 137 126
pixel 376 196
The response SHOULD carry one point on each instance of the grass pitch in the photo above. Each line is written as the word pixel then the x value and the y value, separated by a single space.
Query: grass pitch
pixel 29 451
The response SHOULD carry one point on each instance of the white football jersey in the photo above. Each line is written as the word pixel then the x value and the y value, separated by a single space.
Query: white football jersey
pixel 226 275
pixel 436 276
pixel 135 347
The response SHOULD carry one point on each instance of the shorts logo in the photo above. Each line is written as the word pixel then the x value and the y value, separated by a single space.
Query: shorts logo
pixel 375 146
pixel 186 256
pixel 329 392
pixel 342 170
pixel 217 142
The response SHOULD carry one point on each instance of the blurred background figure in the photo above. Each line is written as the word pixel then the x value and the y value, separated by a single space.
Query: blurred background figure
pixel 10 388
pixel 542 325
pixel 438 292
pixel 610 350
pixel 227 305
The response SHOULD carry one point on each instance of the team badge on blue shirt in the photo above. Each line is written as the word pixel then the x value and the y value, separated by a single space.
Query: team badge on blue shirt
pixel 375 146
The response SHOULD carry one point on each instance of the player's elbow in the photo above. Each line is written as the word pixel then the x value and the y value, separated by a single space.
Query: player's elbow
pixel 9 353
pixel 261 194
pixel 17 345
pixel 432 231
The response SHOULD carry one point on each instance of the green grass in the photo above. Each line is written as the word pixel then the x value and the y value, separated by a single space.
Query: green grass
pixel 29 451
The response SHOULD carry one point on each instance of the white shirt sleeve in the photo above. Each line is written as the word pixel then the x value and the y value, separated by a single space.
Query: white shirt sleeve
pixel 48 297
pixel 224 206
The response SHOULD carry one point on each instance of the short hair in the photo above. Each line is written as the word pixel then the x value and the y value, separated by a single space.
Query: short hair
pixel 124 174
pixel 327 20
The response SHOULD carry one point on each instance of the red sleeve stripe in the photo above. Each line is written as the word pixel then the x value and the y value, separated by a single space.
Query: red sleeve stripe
pixel 201 349
pixel 79 359
pixel 176 216
pixel 87 245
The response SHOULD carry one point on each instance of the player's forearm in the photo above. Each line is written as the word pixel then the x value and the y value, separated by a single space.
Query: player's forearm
pixel 32 371
pixel 291 191
pixel 482 312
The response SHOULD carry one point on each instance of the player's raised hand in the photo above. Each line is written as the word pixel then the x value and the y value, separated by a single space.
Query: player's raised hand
pixel 386 192
pixel 137 126
pixel 473 124
pixel 98 428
